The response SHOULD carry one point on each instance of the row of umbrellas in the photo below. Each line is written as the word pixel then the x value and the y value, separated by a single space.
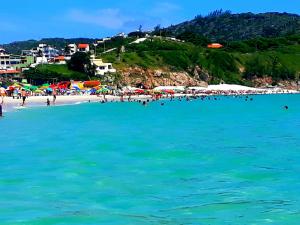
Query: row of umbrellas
pixel 92 87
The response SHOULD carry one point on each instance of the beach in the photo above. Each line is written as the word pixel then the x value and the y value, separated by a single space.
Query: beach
pixel 11 104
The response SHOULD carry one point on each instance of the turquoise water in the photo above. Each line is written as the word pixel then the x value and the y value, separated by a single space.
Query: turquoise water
pixel 201 162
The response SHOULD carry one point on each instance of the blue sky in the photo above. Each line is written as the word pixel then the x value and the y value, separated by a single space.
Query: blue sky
pixel 36 19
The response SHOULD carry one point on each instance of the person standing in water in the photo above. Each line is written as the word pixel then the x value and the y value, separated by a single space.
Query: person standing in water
pixel 1 114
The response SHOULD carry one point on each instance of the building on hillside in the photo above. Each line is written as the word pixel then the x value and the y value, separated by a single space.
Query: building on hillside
pixel 72 49
pixel 60 60
pixel 122 34
pixel 83 48
pixel 41 52
pixel 9 73
pixel 4 59
pixel 215 46
pixel 14 62
pixel 103 40
pixel 101 67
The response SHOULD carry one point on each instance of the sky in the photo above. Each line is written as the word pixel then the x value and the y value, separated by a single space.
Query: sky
pixel 36 19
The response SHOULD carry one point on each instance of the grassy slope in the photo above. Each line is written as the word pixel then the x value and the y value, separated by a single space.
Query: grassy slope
pixel 185 56
pixel 60 69
pixel 182 56
pixel 288 55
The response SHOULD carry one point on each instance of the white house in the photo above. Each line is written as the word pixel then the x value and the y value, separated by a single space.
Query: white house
pixel 101 67
pixel 72 49
pixel 43 53
pixel 8 61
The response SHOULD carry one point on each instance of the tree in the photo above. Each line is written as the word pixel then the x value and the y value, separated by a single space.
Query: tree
pixel 67 49
pixel 254 67
pixel 137 34
pixel 81 62
pixel 140 28
pixel 194 38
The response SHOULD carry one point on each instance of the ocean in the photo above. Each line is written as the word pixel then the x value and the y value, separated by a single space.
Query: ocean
pixel 223 161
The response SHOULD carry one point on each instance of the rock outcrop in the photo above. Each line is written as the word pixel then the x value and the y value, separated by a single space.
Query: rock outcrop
pixel 152 78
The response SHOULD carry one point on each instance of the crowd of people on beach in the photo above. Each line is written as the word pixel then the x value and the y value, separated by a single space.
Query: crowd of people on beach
pixel 127 95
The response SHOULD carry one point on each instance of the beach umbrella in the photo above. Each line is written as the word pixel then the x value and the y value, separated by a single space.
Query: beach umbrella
pixel 102 90
pixel 92 83
pixel 139 91
pixel 93 90
pixel 26 88
pixel 33 88
pixel 49 89
pixel 11 88
pixel 170 92
pixel 16 85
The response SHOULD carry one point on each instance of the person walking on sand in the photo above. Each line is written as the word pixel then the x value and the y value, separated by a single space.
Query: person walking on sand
pixel 2 94
pixel 54 93
pixel 24 95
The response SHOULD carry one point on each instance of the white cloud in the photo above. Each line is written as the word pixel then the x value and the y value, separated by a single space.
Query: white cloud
pixel 117 20
pixel 107 18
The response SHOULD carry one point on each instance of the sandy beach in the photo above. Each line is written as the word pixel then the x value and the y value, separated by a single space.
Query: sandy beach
pixel 11 104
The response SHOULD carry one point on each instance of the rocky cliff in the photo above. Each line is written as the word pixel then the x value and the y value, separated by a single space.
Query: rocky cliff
pixel 152 78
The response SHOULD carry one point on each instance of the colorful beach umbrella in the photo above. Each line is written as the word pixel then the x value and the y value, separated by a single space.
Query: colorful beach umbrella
pixel 139 91
pixel 33 88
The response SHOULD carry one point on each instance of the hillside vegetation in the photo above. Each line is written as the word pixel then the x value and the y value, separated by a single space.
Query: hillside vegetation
pixel 51 73
pixel 224 26
pixel 237 62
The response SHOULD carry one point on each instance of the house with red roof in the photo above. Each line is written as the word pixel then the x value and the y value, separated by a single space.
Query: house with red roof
pixel 9 73
pixel 83 47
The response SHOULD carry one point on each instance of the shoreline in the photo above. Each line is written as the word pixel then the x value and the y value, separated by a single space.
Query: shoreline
pixel 11 104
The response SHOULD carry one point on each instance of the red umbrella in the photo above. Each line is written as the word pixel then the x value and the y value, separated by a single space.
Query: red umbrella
pixel 92 83
pixel 53 86
pixel 169 92
pixel 11 88
pixel 139 91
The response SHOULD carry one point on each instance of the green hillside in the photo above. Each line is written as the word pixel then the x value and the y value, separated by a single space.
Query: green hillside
pixel 50 73
pixel 237 62
pixel 225 26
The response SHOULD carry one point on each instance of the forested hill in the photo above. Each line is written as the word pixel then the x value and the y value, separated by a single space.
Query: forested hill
pixel 224 26
pixel 60 43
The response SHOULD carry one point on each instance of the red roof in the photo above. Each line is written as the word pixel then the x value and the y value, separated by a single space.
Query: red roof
pixel 215 45
pixel 83 46
pixel 60 58
pixel 9 71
